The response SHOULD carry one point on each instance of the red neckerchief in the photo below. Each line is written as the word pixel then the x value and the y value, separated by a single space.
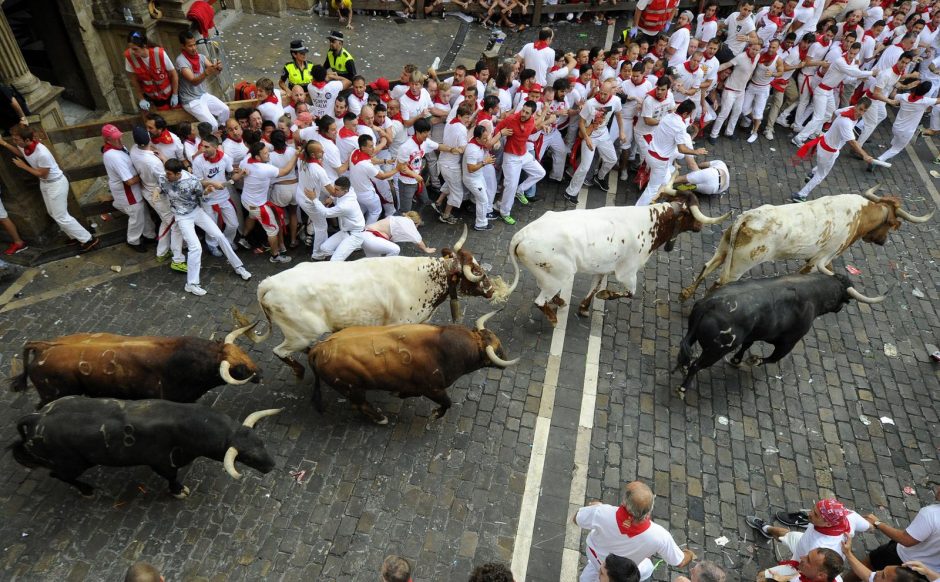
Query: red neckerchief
pixel 364 124
pixel 344 133
pixel 803 53
pixel 687 67
pixel 483 115
pixel 385 97
pixel 439 100
pixel 635 84
pixel 478 144
pixel 272 98
pixel 319 84
pixel 635 528
pixel 932 28
pixel 540 44
pixel 194 62
pixel 398 117
pixel 280 151
pixel 605 101
pixel 412 97
pixel 326 137
pixel 31 147
pixel 842 527
pixel 218 156
pixel 414 138
pixel 823 42
pixel 794 564
pixel 914 98
pixel 896 70
pixel 870 33
pixel 659 74
pixel 766 57
pixel 711 19
pixel 658 55
pixel 688 27
pixel 359 156
pixel 253 160
pixel 235 139
pixel 455 120
pixel 653 95
pixel 554 68
pixel 851 115
pixel 165 138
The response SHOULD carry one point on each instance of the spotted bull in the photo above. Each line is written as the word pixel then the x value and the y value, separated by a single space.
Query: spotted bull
pixel 408 360
pixel 73 434
pixel 312 299
pixel 180 369
pixel 600 241
pixel 815 232
pixel 778 310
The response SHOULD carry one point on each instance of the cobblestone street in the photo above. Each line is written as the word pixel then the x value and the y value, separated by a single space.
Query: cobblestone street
pixel 852 412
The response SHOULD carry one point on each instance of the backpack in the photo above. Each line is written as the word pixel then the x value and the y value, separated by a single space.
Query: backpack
pixel 245 90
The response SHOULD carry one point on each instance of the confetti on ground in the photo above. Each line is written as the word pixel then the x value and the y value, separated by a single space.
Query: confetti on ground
pixel 723 420
pixel 909 490
pixel 722 541
pixel 864 420
pixel 852 270
pixel 886 420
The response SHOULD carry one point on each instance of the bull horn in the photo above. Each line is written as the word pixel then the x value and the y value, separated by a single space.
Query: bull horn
pixel 870 193
pixel 463 238
pixel 254 417
pixel 230 338
pixel 481 323
pixel 859 297
pixel 697 214
pixel 229 463
pixel 227 376
pixel 911 218
pixel 468 273
pixel 824 269
pixel 491 354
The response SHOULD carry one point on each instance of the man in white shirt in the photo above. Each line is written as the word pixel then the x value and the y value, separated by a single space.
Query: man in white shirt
pixel 324 88
pixel 450 154
pixel 913 105
pixel 314 183
pixel 410 160
pixel 259 175
pixel 732 99
pixel 678 50
pixel 908 572
pixel 124 184
pixel 364 177
pixel 819 565
pixel 36 159
pixel 386 233
pixel 538 56
pixel 657 104
pixel 879 89
pixel 670 140
pixel 270 103
pixel 784 99
pixel 627 531
pixel 829 522
pixel 164 141
pixel 150 169
pixel 345 207
pixel 710 177
pixel 415 103
pixel 592 122
pixel 741 30
pixel 633 91
pixel 215 167
pixel 476 159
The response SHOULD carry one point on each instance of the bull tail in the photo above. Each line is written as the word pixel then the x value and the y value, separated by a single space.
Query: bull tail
pixel 513 246
pixel 21 454
pixel 19 382
pixel 317 393
pixel 255 336
pixel 727 245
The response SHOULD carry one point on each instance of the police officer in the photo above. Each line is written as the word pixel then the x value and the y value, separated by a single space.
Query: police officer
pixel 297 71
pixel 338 58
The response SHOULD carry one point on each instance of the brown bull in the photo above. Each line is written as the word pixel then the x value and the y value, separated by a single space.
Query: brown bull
pixel 180 369
pixel 409 360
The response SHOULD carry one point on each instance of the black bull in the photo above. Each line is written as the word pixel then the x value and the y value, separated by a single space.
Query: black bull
pixel 70 435
pixel 777 310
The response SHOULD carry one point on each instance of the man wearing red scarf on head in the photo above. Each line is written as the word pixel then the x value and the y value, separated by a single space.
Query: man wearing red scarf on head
pixel 829 521
pixel 627 531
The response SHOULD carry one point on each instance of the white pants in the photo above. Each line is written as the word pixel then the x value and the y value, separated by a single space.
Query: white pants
pixel 898 142
pixel 188 224
pixel 208 108
pixel 807 88
pixel 376 246
pixel 370 205
pixel 706 181
pixel 824 104
pixel 731 103
pixel 755 100
pixel 169 236
pixel 138 220
pixel 608 158
pixel 513 166
pixel 342 244
pixel 824 162
pixel 476 187
pixel 659 174
pixel 614 134
pixel 55 194
pixel 386 196
pixel 934 114
pixel 641 146
pixel 873 116
pixel 453 179
pixel 318 222
pixel 222 211
pixel 592 572
pixel 555 143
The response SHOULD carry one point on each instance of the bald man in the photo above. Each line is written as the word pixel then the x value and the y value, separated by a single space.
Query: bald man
pixel 627 530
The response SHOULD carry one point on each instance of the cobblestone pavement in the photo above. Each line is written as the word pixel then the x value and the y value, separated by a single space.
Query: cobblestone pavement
pixel 448 493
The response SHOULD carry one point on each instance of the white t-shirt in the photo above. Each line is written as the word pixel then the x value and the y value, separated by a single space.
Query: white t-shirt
pixel 120 169
pixel 361 176
pixel 355 104
pixel 412 107
pixel 680 41
pixel 539 60
pixel 668 135
pixel 313 177
pixel 237 150
pixel 806 16
pixel 42 158
pixel 873 15
pixel 174 149
pixel 743 69
pixel 346 208
pixel 710 71
pixel 323 97
pixel 149 168
pixel 606 538
pixel 910 112
pixel 411 153
pixel 272 111
pixel 455 136
pixel 403 229
pixel 705 31
pixel 331 158
pixel 215 171
pixel 474 154
pixel 257 182
pixel 812 539
pixel 736 27
pixel 636 94
pixel 347 141
pixel 790 58
pixel 926 528
pixel 599 114
pixel 281 159
pixel 688 81
pixel 653 109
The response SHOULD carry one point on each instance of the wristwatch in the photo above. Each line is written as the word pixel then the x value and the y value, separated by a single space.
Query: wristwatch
pixel 876 524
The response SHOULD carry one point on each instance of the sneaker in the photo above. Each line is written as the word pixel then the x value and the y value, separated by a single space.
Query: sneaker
pixel 164 257
pixel 752 138
pixel 936 160
pixel 85 247
pixel 509 220
pixel 488 226
pixel 319 257
pixel 243 273
pixel 793 519
pixel 436 208
pixel 808 177
pixel 601 183
pixel 624 174
pixel 492 215
pixel 195 290
pixel 797 198
pixel 181 267
pixel 758 524
pixel 139 247
pixel 685 187
pixel 769 134
pixel 796 141
pixel 280 259
pixel 15 248
pixel 712 139
pixel 522 199
pixel 448 219
pixel 243 243
pixel 215 251
pixel 571 199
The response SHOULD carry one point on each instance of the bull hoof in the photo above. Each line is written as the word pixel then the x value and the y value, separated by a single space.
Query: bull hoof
pixel 736 362
pixel 557 300
pixel 755 361
pixel 584 311
pixel 686 294
pixel 382 421
pixel 550 314
pixel 439 412
pixel 183 494
pixel 680 392
pixel 90 494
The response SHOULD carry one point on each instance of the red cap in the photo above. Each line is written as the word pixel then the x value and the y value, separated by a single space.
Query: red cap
pixel 380 84
pixel 535 88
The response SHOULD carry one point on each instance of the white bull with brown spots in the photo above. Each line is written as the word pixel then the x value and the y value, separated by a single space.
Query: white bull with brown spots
pixel 815 232
pixel 600 241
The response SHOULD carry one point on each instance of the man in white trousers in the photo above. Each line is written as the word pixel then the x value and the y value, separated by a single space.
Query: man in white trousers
pixel 879 89
pixel 36 159
pixel 732 99
pixel 217 168
pixel 185 192
pixel 313 183
pixel 476 158
pixel 345 207
pixel 365 176
pixel 912 107
pixel 516 128
pixel 124 184
pixel 592 129
pixel 829 145
pixel 710 177
pixel 149 167
pixel 670 140
pixel 194 68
